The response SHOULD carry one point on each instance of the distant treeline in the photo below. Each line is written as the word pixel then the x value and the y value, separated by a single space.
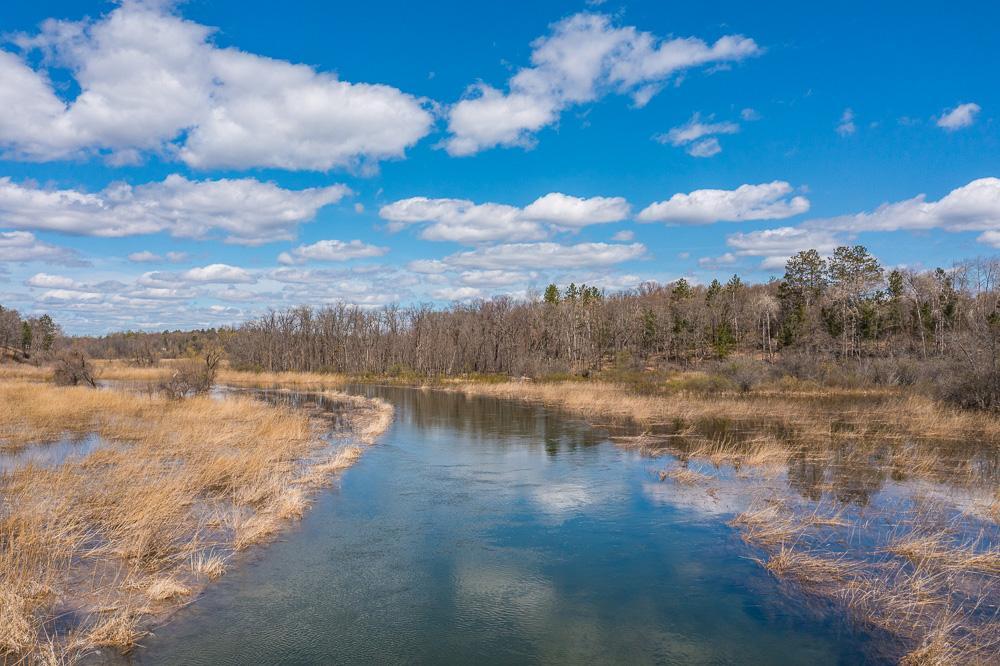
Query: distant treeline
pixel 22 338
pixel 841 309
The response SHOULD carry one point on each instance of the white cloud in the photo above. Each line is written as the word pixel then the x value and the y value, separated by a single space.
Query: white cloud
pixel 494 278
pixel 48 281
pixel 456 293
pixel 246 210
pixel 846 126
pixel 464 221
pixel 749 114
pixel 624 235
pixel 152 81
pixel 145 257
pixel 991 238
pixel 22 246
pixel 767 201
pixel 695 129
pixel 726 259
pixel 214 273
pixel 331 250
pixel 777 245
pixel 698 136
pixel 705 148
pixel 547 255
pixel 972 207
pixel 461 221
pixel 582 59
pixel 961 116
pixel 567 211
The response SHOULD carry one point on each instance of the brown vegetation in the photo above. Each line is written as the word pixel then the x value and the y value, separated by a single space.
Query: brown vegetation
pixel 140 524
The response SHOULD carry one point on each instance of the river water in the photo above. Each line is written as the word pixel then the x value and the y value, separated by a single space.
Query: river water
pixel 484 531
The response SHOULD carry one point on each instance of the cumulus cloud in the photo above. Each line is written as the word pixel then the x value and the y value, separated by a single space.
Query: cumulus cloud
pixel 961 116
pixel 695 129
pixel 567 211
pixel 211 274
pixel 456 293
pixel 846 126
pixel 705 148
pixel 548 255
pixel 775 246
pixel 48 281
pixel 147 257
pixel 151 81
pixel 331 250
pixel 972 207
pixel 495 278
pixel 22 246
pixel 583 58
pixel 726 259
pixel 464 221
pixel 245 210
pixel 218 273
pixel 767 201
pixel 624 235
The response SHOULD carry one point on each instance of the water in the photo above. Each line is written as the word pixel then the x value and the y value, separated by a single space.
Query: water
pixel 482 531
pixel 49 455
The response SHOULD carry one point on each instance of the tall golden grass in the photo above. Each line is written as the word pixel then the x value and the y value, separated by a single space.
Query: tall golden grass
pixel 882 412
pixel 111 370
pixel 140 524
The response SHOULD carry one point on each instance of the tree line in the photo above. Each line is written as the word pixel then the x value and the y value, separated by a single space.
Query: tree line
pixel 845 309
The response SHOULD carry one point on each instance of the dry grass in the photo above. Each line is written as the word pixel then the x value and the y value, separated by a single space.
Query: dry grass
pixel 120 371
pixel 809 568
pixel 819 412
pixel 152 515
pixel 924 587
pixel 684 476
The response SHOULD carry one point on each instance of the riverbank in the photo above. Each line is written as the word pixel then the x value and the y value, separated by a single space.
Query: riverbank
pixel 883 503
pixel 95 547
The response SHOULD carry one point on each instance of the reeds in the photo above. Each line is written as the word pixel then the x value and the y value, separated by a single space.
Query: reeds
pixel 144 521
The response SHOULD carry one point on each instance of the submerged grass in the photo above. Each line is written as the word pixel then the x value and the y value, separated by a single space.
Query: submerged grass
pixel 810 464
pixel 92 548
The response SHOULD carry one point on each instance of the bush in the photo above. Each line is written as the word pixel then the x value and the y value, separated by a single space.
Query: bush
pixel 73 369
pixel 193 375
pixel 746 373
pixel 973 388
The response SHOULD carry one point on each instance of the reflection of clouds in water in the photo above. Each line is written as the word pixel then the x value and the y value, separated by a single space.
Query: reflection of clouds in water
pixel 974 501
pixel 562 499
pixel 486 593
pixel 728 499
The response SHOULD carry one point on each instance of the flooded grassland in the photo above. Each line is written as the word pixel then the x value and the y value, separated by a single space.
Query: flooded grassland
pixel 880 505
pixel 118 506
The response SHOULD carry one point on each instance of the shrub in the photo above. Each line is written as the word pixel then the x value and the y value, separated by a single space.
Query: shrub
pixel 193 375
pixel 73 369
pixel 746 373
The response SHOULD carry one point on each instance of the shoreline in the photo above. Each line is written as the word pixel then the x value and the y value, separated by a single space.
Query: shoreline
pixel 121 538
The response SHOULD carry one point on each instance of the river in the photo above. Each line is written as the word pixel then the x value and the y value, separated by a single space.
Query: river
pixel 484 531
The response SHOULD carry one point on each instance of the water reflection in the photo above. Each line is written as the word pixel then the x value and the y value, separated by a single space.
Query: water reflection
pixel 49 454
pixel 484 531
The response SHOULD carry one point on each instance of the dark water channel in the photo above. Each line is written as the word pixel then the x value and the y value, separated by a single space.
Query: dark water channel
pixel 480 531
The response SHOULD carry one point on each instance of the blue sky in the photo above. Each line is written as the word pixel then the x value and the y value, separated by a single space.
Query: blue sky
pixel 188 164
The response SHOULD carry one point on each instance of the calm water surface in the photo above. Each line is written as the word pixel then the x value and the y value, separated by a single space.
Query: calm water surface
pixel 483 531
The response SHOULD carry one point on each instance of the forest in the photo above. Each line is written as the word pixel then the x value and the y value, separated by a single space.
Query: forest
pixel 839 320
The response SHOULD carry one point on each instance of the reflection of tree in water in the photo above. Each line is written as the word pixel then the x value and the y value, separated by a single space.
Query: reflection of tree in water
pixel 806 476
pixel 856 474
pixel 483 420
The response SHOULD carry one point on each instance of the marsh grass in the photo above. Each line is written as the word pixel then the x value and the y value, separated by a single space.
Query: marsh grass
pixel 92 549
pixel 810 463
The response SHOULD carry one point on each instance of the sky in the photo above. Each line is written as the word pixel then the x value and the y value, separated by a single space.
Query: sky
pixel 192 164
